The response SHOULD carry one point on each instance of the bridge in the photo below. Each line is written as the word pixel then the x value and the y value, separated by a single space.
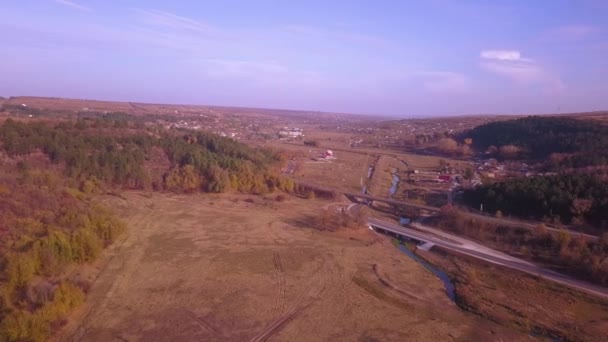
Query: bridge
pixel 509 222
pixel 462 246
pixel 353 197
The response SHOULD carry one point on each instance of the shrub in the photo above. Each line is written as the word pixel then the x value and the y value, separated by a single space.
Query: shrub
pixel 22 325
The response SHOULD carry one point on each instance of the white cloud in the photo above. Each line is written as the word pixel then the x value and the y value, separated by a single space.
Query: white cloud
pixel 502 55
pixel 74 5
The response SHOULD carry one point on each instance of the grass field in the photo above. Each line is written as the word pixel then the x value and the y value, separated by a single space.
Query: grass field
pixel 523 301
pixel 237 268
pixel 346 172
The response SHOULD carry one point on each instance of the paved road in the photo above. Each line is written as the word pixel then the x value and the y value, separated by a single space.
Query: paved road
pixel 492 256
pixel 484 218
pixel 392 201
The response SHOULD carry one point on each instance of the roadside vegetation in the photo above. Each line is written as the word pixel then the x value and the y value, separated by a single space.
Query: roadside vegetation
pixel 332 219
pixel 574 255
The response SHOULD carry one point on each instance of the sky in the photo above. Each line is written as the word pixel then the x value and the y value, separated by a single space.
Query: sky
pixel 397 58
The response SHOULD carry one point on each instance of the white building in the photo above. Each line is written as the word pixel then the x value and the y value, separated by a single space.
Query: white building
pixel 291 132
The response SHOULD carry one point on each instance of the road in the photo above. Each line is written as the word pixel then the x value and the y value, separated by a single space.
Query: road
pixel 521 224
pixel 465 247
pixel 509 222
pixel 484 218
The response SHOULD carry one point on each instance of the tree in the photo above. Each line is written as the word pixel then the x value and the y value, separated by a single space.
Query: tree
pixel 509 151
pixel 468 173
pixel 492 150
pixel 465 150
pixel 541 230
pixel 447 145
pixel 580 207
pixel 563 238
pixel 183 179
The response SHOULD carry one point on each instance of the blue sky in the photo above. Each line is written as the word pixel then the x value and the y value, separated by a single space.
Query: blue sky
pixel 402 58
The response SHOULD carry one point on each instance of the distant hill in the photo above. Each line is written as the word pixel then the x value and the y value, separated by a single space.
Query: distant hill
pixel 137 108
pixel 570 142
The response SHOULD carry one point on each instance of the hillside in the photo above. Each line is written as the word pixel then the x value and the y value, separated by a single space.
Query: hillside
pixel 562 142
pixel 67 105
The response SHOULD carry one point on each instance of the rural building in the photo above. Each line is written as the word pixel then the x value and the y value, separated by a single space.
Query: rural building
pixel 444 178
pixel 291 132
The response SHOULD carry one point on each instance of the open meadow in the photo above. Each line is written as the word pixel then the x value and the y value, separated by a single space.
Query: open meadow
pixel 237 268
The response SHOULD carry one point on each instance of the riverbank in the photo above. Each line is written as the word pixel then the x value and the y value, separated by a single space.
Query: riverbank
pixel 522 301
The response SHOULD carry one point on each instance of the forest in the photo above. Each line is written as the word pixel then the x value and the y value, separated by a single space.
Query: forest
pixel 50 172
pixel 567 198
pixel 559 142
pixel 118 153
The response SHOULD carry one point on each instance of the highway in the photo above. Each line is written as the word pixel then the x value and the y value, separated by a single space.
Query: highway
pixel 455 244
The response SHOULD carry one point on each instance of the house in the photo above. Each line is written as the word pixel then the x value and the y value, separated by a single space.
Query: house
pixel 291 132
pixel 329 154
pixel 444 178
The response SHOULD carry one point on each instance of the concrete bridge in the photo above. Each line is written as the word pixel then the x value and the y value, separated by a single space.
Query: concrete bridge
pixel 368 199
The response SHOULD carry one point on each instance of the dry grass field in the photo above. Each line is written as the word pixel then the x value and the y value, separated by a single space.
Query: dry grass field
pixel 524 301
pixel 239 268
pixel 349 169
pixel 346 172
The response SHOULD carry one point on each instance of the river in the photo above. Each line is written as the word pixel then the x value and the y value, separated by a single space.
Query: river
pixel 450 290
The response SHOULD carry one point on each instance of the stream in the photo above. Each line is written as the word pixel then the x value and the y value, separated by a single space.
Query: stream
pixel 394 185
pixel 450 290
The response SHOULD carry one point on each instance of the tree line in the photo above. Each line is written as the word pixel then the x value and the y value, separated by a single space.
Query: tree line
pixel 562 142
pixel 566 198
pixel 121 157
